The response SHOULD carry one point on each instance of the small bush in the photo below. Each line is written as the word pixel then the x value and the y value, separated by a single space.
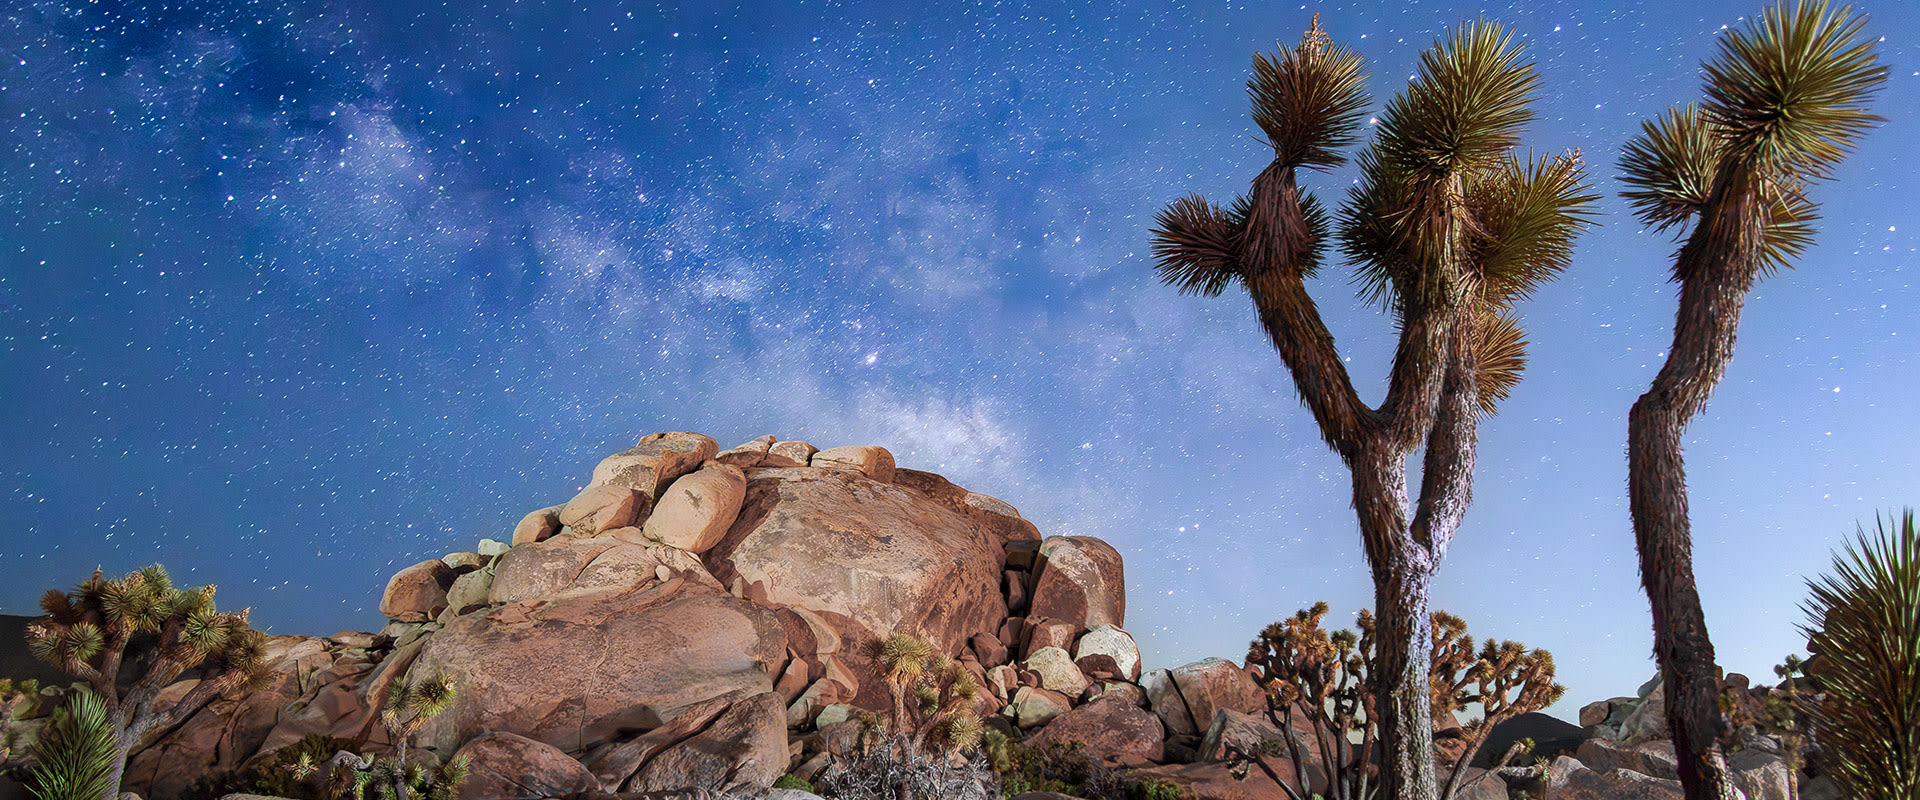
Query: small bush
pixel 793 782
pixel 893 770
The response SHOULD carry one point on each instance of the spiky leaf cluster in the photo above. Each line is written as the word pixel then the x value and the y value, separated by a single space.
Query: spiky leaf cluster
pixel 1864 621
pixel 1308 100
pixel 1786 101
pixel 74 755
pixel 86 629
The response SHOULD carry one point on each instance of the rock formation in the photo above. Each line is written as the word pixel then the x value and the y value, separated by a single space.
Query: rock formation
pixel 694 620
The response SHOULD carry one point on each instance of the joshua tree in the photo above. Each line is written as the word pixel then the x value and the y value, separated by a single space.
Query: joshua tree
pixel 1864 622
pixel 1785 103
pixel 1448 230
pixel 932 695
pixel 1318 678
pixel 90 632
pixel 407 710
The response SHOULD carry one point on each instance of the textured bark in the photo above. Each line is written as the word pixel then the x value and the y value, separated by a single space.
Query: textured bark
pixel 1715 269
pixel 1400 683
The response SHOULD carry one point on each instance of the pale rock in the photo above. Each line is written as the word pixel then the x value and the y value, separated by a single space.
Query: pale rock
pixel 598 509
pixel 873 462
pixel 1761 776
pixel 1572 780
pixel 1163 696
pixel 538 526
pixel 1655 759
pixel 469 591
pixel 798 452
pixel 1115 643
pixel 1057 672
pixel 507 766
pixel 1648 720
pixel 698 508
pixel 464 562
pixel 1032 708
pixel 494 547
pixel 659 458
pixel 1081 581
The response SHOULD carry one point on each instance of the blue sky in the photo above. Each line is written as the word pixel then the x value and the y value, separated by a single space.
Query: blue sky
pixel 296 294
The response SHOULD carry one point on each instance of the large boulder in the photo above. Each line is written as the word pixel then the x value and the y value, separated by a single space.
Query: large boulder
pixel 1648 719
pixel 418 593
pixel 1572 780
pixel 538 526
pixel 873 462
pixel 508 766
pixel 872 557
pixel 584 666
pixel 654 462
pixel 1112 728
pixel 698 509
pixel 746 746
pixel 1653 759
pixel 568 564
pixel 1114 643
pixel 1213 684
pixel 598 509
pixel 1081 581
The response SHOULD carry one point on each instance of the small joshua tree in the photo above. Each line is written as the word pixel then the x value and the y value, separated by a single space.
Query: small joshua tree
pixel 90 633
pixel 932 694
pixel 1319 677
pixel 74 756
pixel 407 710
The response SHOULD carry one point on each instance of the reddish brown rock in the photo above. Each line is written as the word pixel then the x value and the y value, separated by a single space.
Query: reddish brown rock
pixel 1213 684
pixel 616 765
pixel 1572 780
pixel 538 526
pixel 746 746
pixel 1111 728
pixel 507 766
pixel 988 649
pixel 881 557
pixel 567 564
pixel 649 466
pixel 797 452
pixel 584 666
pixel 872 462
pixel 598 509
pixel 1214 780
pixel 418 593
pixel 1081 581
pixel 746 455
pixel 698 508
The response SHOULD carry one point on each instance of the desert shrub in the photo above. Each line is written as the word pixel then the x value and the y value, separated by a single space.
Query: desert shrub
pixel 1864 622
pixel 894 770
pixel 793 782
pixel 1067 768
pixel 74 758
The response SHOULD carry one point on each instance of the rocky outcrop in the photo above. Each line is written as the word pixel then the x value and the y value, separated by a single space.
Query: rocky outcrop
pixel 506 766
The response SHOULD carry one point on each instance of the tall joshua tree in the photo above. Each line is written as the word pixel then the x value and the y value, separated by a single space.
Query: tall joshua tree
pixel 142 626
pixel 1786 101
pixel 1447 230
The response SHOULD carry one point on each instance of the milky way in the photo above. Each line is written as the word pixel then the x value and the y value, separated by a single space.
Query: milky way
pixel 296 294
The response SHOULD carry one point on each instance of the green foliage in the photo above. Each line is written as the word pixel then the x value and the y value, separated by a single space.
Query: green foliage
pixel 793 782
pixel 1067 768
pixel 75 753
pixel 1864 622
pixel 1154 790
pixel 1309 100
pixel 932 694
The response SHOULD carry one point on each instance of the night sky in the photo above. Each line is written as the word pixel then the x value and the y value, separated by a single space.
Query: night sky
pixel 295 294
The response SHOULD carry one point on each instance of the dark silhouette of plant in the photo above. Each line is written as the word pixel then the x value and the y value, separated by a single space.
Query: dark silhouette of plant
pixel 1318 678
pixel 143 625
pixel 1867 613
pixel 74 756
pixel 1448 231
pixel 1785 102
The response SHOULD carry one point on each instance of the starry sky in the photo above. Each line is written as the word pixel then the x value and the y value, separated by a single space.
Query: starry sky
pixel 295 294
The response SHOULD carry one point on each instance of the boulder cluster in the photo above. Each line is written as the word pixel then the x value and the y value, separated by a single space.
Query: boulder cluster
pixel 695 622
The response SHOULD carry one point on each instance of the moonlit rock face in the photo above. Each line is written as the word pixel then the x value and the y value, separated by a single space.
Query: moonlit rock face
pixel 698 508
pixel 649 466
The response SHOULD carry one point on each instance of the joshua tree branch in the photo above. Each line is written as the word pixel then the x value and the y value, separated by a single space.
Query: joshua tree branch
pixel 1446 484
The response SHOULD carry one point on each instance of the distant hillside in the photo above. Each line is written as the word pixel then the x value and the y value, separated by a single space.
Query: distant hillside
pixel 16 662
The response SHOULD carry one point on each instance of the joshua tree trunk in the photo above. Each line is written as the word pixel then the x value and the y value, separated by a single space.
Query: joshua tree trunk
pixel 1400 687
pixel 1718 266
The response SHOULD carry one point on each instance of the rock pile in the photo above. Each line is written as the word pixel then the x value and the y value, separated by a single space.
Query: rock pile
pixel 695 620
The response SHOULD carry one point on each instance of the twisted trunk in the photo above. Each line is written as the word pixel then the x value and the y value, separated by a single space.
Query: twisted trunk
pixel 1715 268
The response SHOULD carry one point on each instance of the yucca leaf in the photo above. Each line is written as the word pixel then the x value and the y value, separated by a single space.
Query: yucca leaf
pixel 1194 246
pixel 1789 92
pixel 1528 215
pixel 1669 167
pixel 1500 352
pixel 1789 228
pixel 1470 96
pixel 75 753
pixel 1309 100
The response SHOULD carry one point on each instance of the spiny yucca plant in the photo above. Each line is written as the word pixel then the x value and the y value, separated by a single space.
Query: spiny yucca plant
pixel 406 711
pixel 1449 230
pixel 13 697
pixel 1864 621
pixel 91 632
pixel 1319 678
pixel 74 756
pixel 1785 102
pixel 933 696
